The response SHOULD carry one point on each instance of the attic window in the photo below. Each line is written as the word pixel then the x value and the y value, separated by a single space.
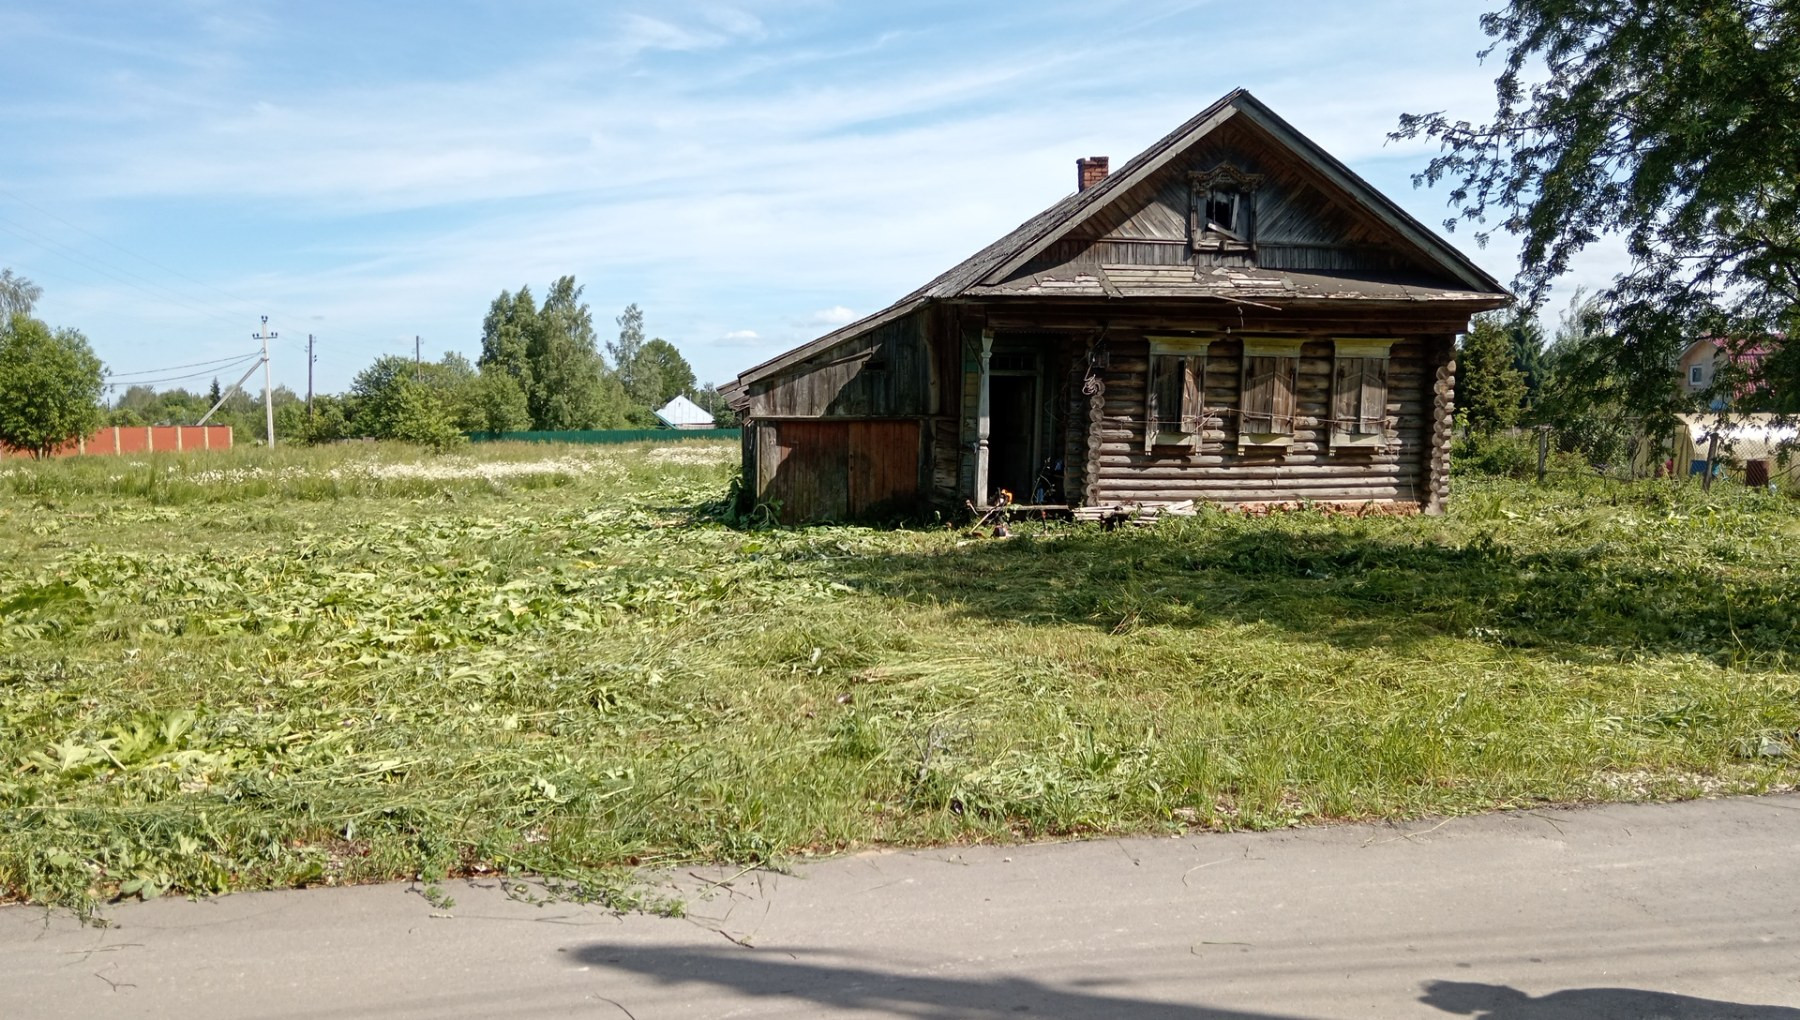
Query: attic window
pixel 1224 208
pixel 1223 214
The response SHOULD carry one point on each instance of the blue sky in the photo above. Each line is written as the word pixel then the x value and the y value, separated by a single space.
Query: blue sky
pixel 751 174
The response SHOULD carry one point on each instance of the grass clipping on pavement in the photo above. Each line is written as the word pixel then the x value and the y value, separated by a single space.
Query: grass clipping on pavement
pixel 263 669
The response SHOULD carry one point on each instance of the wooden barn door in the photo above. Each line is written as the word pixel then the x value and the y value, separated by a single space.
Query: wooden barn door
pixel 884 466
pixel 809 472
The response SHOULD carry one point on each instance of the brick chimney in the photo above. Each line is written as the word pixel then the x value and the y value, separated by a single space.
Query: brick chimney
pixel 1090 171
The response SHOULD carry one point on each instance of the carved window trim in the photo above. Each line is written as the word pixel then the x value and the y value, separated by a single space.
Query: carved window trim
pixel 1359 392
pixel 1207 189
pixel 1268 398
pixel 1178 364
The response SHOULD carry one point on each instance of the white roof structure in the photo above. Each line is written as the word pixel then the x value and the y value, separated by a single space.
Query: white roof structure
pixel 1748 437
pixel 682 413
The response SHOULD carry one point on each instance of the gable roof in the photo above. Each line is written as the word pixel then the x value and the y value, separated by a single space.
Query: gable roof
pixel 682 411
pixel 993 264
pixel 1743 354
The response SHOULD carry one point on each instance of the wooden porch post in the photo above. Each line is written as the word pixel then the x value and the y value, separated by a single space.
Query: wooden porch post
pixel 982 423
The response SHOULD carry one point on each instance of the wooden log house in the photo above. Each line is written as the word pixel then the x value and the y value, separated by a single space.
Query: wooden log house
pixel 1231 317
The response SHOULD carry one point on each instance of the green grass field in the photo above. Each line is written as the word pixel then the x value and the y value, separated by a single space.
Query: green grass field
pixel 316 666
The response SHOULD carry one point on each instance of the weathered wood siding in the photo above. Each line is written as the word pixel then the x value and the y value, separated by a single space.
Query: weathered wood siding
pixel 885 373
pixel 854 431
pixel 1122 471
pixel 884 467
pixel 1303 222
pixel 825 470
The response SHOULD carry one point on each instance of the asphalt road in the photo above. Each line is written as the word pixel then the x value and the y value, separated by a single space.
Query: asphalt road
pixel 1678 911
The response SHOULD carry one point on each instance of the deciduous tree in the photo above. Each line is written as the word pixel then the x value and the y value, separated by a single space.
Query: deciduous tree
pixel 1586 399
pixel 624 351
pixel 506 336
pixel 665 373
pixel 495 403
pixel 565 362
pixel 50 385
pixel 17 295
pixel 398 399
pixel 1672 124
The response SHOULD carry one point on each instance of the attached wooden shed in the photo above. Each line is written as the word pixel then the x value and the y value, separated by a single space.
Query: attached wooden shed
pixel 1231 317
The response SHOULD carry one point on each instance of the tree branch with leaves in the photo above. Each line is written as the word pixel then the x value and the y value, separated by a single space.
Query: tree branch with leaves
pixel 1672 124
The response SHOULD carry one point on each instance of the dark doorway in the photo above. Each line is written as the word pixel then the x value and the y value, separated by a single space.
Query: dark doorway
pixel 1012 435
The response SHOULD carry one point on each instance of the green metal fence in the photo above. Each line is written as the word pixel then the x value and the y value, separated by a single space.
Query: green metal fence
pixel 604 436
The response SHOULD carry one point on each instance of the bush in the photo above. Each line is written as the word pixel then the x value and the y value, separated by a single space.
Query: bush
pixel 1500 455
pixel 418 416
pixel 50 385
pixel 328 424
pixel 402 408
pixel 1509 456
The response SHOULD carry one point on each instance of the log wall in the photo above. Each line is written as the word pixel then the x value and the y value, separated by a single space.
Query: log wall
pixel 804 450
pixel 1408 467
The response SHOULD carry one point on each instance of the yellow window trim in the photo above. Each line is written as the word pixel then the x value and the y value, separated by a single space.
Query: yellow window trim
pixel 1272 346
pixel 1181 346
pixel 1363 347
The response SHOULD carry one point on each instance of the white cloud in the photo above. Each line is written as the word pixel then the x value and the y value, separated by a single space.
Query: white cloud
pixel 735 21
pixel 714 163
pixel 641 33
pixel 836 315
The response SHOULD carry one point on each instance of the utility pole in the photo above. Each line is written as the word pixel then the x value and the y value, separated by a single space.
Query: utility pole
pixel 268 384
pixel 418 362
pixel 310 359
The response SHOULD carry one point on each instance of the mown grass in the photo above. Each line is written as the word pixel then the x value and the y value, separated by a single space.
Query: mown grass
pixel 320 666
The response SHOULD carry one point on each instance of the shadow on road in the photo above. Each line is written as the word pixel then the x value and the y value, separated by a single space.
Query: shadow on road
pixel 775 973
pixel 1498 1002
pixel 770 972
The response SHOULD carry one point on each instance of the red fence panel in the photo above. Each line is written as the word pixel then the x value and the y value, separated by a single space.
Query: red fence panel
pixel 123 439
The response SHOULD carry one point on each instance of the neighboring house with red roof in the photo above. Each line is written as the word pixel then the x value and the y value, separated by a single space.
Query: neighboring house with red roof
pixel 1701 361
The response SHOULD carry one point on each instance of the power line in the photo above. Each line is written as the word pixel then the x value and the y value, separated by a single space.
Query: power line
pixel 118 274
pixel 197 364
pixel 181 378
pixel 143 284
pixel 69 253
pixel 147 261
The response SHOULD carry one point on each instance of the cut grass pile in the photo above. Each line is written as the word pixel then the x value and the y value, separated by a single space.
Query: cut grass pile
pixel 317 666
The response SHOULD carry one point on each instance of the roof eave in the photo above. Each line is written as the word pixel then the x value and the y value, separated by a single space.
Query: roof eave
pixel 1240 101
pixel 1125 178
pixel 848 332
pixel 1445 254
pixel 1474 302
